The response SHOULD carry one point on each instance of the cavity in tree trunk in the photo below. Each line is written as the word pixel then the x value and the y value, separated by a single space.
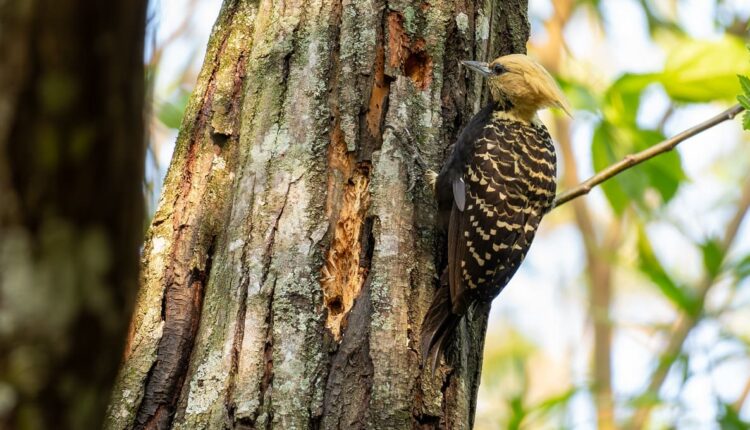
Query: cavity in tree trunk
pixel 71 204
pixel 295 251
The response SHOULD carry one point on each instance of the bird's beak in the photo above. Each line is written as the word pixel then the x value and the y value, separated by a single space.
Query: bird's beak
pixel 478 66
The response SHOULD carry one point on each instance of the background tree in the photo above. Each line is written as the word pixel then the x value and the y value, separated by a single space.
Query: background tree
pixel 71 204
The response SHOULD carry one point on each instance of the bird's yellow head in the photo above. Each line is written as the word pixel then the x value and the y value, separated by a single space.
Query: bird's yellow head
pixel 520 84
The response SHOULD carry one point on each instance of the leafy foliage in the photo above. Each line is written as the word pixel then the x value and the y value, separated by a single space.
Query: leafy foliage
pixel 744 100
pixel 618 135
pixel 704 71
pixel 730 419
pixel 643 199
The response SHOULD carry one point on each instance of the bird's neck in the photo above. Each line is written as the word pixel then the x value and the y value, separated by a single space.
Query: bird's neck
pixel 504 109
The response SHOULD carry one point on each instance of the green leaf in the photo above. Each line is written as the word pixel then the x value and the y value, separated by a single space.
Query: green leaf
pixel 744 101
pixel 518 412
pixel 622 99
pixel 603 154
pixel 713 256
pixel 579 95
pixel 746 120
pixel 618 135
pixel 702 71
pixel 550 403
pixel 170 112
pixel 664 173
pixel 742 268
pixel 650 265
pixel 745 84
pixel 729 419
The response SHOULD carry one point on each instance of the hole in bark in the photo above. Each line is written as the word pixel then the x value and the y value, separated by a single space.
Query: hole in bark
pixel 418 68
pixel 378 100
pixel 407 55
pixel 335 306
pixel 219 141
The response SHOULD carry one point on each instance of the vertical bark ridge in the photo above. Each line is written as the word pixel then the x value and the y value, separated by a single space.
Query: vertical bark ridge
pixel 205 179
pixel 184 236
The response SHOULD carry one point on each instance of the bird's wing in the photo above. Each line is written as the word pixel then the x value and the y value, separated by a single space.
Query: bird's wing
pixel 503 206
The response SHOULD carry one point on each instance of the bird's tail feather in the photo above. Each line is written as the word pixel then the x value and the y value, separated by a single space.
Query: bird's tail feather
pixel 438 327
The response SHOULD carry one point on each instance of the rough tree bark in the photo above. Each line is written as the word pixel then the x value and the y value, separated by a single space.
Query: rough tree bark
pixel 71 204
pixel 294 252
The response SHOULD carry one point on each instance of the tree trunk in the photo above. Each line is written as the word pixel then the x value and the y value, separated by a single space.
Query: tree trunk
pixel 295 250
pixel 71 204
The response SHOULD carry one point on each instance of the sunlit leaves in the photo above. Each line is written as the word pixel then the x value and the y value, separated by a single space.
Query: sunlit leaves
pixel 704 71
pixel 622 99
pixel 663 174
pixel 695 71
pixel 523 415
pixel 604 152
pixel 579 95
pixel 618 135
pixel 509 370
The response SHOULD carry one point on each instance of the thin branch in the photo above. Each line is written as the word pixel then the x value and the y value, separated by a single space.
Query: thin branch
pixel 688 321
pixel 635 159
pixel 737 405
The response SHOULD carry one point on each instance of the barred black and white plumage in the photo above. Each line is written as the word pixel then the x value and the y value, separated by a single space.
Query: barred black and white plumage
pixel 492 193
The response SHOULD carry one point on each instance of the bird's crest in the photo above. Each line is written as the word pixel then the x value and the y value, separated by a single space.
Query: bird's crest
pixel 522 84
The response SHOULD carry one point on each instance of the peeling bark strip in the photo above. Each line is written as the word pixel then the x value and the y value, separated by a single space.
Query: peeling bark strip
pixel 183 239
pixel 181 310
pixel 194 230
pixel 294 174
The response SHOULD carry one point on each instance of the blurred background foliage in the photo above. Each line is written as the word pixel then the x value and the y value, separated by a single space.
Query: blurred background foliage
pixel 633 307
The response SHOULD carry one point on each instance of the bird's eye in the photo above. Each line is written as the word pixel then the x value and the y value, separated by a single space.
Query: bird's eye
pixel 498 69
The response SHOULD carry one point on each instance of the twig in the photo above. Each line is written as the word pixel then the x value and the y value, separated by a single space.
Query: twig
pixel 635 159
pixel 688 321
pixel 737 405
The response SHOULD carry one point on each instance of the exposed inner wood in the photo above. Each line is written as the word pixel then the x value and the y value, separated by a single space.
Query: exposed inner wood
pixel 407 55
pixel 378 97
pixel 342 277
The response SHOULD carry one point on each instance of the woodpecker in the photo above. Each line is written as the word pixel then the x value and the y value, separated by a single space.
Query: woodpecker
pixel 492 192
